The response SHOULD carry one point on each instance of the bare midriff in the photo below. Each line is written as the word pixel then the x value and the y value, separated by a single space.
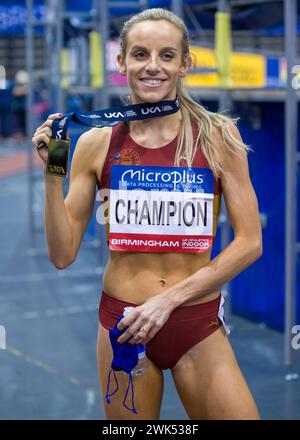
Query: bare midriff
pixel 137 276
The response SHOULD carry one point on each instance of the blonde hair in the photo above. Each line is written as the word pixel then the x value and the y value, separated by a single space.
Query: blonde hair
pixel 190 109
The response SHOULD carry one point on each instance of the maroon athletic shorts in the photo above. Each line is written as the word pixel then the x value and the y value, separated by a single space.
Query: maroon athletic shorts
pixel 185 327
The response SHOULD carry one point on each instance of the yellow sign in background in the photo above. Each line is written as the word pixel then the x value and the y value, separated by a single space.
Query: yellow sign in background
pixel 247 70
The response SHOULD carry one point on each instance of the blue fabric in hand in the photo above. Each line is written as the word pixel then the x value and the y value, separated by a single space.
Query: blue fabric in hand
pixel 125 358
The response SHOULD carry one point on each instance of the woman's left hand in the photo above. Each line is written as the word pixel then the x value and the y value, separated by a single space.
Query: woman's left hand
pixel 146 320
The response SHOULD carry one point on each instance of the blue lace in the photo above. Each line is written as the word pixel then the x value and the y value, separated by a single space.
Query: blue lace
pixel 107 396
pixel 130 383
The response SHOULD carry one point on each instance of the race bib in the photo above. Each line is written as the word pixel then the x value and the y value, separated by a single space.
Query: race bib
pixel 161 209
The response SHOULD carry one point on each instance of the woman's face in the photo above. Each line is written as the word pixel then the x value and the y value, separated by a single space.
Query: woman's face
pixel 153 61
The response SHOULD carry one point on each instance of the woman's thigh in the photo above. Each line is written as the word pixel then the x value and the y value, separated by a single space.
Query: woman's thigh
pixel 148 387
pixel 211 384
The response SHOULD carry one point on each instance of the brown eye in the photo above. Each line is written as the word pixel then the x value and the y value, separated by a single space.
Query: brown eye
pixel 168 56
pixel 139 54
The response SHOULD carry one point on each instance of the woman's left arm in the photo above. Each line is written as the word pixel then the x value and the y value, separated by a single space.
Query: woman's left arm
pixel 245 248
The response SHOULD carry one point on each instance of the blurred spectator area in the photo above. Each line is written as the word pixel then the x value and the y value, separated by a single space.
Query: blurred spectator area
pixel 13 53
pixel 13 98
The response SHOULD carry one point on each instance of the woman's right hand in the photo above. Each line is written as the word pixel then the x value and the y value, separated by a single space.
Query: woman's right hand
pixel 42 135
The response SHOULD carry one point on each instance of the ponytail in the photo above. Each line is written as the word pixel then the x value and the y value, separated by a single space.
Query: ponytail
pixel 206 122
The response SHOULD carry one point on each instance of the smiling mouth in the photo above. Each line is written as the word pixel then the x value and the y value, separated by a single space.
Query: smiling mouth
pixel 152 82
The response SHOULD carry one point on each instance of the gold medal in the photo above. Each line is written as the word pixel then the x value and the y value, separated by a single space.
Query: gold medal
pixel 58 156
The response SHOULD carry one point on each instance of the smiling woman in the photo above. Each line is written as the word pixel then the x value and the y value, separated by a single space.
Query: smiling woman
pixel 179 164
pixel 155 58
pixel 164 62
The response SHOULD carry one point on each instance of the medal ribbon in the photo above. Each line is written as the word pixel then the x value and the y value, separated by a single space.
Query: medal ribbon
pixel 112 116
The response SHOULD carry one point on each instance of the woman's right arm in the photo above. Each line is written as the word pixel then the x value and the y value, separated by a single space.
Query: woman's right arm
pixel 66 219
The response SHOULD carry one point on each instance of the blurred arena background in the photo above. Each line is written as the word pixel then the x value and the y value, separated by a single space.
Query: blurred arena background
pixel 59 56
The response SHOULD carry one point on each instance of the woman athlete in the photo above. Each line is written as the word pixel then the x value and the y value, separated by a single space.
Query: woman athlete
pixel 176 294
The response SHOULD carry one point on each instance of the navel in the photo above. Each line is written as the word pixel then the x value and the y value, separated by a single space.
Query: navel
pixel 162 282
